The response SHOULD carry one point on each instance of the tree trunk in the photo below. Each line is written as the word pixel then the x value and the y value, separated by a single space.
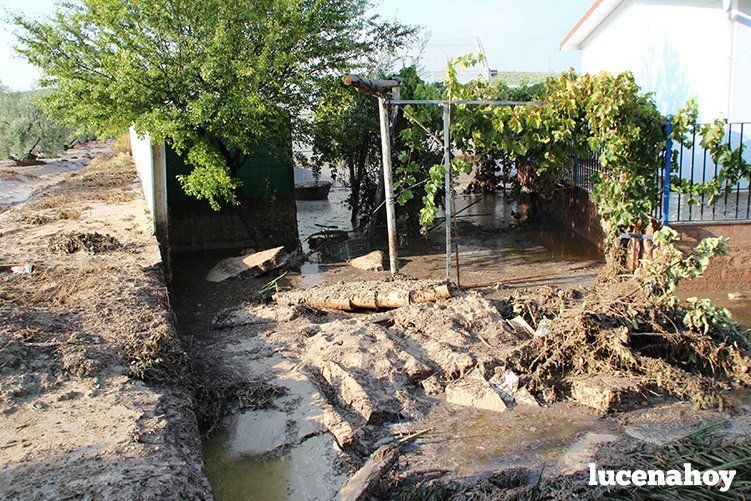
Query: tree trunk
pixel 354 197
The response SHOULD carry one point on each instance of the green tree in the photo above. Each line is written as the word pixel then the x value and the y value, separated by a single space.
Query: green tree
pixel 215 78
pixel 25 129
pixel 346 136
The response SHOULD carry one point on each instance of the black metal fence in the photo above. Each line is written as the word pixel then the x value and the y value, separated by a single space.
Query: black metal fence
pixel 694 165
pixel 584 171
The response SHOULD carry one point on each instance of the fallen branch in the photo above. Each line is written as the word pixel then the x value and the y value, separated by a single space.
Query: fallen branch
pixel 378 464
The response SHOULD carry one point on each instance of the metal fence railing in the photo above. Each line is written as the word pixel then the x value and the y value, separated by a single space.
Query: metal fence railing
pixel 695 165
pixel 584 170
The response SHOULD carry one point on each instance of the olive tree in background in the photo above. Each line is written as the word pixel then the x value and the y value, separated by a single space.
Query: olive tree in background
pixel 25 129
pixel 214 78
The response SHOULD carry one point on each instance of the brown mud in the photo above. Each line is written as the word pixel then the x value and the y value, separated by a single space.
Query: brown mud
pixel 91 400
pixel 357 380
pixel 365 378
pixel 99 399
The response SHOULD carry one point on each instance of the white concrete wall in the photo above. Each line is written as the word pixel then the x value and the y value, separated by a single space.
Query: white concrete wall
pixel 678 50
pixel 143 157
pixel 151 165
pixel 740 106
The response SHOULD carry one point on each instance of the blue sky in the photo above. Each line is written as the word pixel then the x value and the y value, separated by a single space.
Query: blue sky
pixel 517 34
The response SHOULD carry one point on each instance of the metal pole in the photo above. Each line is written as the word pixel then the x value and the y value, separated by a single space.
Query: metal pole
pixel 388 185
pixel 666 178
pixel 448 198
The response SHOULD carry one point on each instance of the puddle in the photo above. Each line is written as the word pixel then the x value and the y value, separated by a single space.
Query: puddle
pixel 490 250
pixel 472 442
pixel 243 478
pixel 739 308
pixel 305 472
pixel 333 212
pixel 196 301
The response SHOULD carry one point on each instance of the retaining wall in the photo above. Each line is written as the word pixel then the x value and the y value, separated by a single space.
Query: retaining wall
pixel 572 207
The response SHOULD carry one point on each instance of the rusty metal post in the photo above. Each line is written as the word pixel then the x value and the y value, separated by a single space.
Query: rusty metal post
pixel 388 184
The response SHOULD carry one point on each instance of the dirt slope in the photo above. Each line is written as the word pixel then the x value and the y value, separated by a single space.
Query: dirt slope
pixel 90 404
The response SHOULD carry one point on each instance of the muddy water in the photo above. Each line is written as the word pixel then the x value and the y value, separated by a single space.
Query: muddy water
pixel 473 442
pixel 238 478
pixel 467 443
pixel 491 251
pixel 737 302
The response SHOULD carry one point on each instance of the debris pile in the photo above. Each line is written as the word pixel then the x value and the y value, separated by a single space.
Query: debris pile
pixel 369 361
pixel 616 330
pixel 93 243
pixel 375 369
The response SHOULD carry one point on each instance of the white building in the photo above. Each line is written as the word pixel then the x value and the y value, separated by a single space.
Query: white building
pixel 677 49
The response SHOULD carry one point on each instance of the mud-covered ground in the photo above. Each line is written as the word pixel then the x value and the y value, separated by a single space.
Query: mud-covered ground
pixel 337 385
pixel 89 359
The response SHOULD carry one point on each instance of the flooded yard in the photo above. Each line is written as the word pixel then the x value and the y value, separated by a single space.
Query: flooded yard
pixel 497 258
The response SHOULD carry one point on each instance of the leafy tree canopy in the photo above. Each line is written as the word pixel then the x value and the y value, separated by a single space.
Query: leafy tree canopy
pixel 213 77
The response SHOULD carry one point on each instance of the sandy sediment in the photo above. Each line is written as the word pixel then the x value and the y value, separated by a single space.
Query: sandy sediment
pixel 92 403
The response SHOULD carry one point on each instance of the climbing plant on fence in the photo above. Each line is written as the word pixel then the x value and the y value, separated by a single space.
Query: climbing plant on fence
pixel 712 138
pixel 577 115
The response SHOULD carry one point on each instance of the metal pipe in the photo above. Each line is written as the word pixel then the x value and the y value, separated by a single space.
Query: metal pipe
pixel 388 184
pixel 666 179
pixel 447 179
pixel 441 102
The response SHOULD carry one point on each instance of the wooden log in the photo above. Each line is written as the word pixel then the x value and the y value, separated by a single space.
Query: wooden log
pixel 332 303
pixel 381 296
pixel 388 185
pixel 393 299
pixel 430 295
pixel 379 463
pixel 365 300
pixel 368 85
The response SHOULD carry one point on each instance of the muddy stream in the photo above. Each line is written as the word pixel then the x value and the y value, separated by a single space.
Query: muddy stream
pixel 493 255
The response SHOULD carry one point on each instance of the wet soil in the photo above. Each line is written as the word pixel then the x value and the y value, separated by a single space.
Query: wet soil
pixel 19 182
pixel 361 382
pixel 496 258
pixel 91 404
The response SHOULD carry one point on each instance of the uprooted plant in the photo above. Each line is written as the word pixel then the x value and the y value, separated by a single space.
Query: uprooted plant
pixel 636 326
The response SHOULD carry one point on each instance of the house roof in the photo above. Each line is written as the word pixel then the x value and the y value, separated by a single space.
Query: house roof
pixel 590 21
